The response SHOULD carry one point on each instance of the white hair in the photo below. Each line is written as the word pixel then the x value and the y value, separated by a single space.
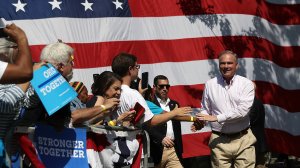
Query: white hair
pixel 56 53
pixel 6 50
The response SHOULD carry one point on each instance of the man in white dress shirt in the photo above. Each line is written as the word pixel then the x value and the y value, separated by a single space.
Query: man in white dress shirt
pixel 226 103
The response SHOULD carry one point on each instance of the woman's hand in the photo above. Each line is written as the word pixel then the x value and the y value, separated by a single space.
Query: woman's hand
pixel 111 103
pixel 100 101
pixel 126 116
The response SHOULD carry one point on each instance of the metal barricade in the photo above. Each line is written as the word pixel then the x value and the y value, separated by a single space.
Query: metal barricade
pixel 103 129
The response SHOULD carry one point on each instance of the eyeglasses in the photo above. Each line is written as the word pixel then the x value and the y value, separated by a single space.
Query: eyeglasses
pixel 71 61
pixel 137 66
pixel 163 86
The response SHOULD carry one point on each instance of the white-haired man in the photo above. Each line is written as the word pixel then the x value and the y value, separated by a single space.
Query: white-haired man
pixel 60 55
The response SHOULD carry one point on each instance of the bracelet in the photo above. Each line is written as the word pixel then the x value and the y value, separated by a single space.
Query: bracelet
pixel 192 119
pixel 111 123
pixel 103 107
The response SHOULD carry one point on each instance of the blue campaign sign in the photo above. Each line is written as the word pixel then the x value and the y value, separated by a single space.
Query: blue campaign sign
pixel 52 88
pixel 63 148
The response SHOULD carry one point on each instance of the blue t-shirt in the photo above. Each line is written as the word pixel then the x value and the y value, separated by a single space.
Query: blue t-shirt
pixel 154 108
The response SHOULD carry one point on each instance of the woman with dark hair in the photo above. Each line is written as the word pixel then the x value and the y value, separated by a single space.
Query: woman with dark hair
pixel 106 85
pixel 107 88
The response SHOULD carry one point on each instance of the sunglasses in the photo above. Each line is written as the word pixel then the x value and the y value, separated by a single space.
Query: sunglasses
pixel 163 86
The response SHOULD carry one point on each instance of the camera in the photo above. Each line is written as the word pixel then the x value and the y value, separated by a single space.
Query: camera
pixel 2 26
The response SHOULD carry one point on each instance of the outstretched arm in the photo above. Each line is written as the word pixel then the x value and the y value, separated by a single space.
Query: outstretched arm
pixel 164 117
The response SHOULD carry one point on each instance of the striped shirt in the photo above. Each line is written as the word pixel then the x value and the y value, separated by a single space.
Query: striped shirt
pixel 31 98
pixel 11 99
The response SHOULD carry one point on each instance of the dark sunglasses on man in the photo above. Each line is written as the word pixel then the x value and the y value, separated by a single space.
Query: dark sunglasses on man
pixel 163 86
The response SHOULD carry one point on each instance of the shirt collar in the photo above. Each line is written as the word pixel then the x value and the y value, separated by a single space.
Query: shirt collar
pixel 230 83
pixel 163 102
pixel 124 86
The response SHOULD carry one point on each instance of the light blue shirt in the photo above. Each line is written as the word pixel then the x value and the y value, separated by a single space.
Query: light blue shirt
pixel 154 108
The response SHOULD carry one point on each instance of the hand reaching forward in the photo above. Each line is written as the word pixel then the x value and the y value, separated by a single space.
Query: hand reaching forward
pixel 126 116
pixel 182 111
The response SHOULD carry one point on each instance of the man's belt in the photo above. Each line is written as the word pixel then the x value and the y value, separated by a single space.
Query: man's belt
pixel 231 135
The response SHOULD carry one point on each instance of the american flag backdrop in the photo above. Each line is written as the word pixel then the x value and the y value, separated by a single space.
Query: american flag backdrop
pixel 181 39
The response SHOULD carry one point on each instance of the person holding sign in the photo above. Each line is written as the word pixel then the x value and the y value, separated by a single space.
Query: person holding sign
pixel 60 55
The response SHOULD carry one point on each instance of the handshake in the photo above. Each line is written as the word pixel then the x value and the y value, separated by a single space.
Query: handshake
pixel 197 125
pixel 201 121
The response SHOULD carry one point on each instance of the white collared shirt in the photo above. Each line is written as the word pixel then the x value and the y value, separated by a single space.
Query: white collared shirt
pixel 128 99
pixel 165 106
pixel 230 103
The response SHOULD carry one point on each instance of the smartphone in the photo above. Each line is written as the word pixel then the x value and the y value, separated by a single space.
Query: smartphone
pixel 144 80
pixel 95 77
pixel 2 25
pixel 2 33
